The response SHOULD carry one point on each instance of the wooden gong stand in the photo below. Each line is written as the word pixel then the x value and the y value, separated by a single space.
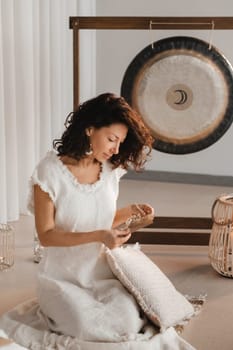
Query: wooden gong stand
pixel 175 230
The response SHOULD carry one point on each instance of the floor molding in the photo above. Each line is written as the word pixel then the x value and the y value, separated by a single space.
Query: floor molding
pixel 184 178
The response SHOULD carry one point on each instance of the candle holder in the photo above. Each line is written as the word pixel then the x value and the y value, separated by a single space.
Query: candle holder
pixel 7 246
pixel 221 238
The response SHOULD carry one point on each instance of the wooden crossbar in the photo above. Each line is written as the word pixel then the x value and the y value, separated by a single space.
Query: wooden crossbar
pixel 175 231
pixel 116 22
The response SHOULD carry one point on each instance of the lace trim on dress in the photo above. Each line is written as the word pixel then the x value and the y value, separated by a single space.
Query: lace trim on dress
pixel 73 179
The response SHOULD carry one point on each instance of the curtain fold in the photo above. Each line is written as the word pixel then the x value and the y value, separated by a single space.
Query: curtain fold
pixel 3 191
pixel 8 123
pixel 36 88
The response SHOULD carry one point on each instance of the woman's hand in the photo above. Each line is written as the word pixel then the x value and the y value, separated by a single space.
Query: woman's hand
pixel 115 238
pixel 140 210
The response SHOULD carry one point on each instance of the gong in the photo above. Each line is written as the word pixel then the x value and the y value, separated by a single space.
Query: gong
pixel 183 90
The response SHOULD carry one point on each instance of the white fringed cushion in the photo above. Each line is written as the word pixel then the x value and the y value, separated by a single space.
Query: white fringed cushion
pixel 154 292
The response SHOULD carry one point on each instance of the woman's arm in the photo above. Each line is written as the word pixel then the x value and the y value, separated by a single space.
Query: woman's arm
pixel 50 235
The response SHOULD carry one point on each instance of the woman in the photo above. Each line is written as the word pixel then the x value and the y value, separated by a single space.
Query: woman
pixel 74 201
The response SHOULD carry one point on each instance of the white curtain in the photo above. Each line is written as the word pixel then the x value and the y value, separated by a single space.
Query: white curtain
pixel 36 87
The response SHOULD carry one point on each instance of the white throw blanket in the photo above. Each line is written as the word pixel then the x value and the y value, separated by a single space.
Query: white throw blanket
pixel 105 306
pixel 8 344
pixel 25 324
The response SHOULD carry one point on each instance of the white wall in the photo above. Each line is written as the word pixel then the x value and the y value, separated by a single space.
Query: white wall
pixel 116 49
pixel 87 54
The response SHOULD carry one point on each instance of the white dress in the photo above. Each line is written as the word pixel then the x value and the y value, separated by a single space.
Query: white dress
pixel 76 289
pixel 81 305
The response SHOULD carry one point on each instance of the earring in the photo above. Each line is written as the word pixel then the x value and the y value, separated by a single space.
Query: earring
pixel 89 150
pixel 89 153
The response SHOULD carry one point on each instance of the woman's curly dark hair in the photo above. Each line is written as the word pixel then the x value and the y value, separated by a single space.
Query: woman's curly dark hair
pixel 102 111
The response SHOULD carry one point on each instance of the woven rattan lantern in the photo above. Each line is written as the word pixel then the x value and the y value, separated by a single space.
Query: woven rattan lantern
pixel 221 238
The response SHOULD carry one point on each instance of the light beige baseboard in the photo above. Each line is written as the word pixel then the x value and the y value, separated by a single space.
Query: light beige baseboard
pixel 186 178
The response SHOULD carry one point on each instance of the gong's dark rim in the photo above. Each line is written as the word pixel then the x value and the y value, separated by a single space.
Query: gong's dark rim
pixel 197 46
